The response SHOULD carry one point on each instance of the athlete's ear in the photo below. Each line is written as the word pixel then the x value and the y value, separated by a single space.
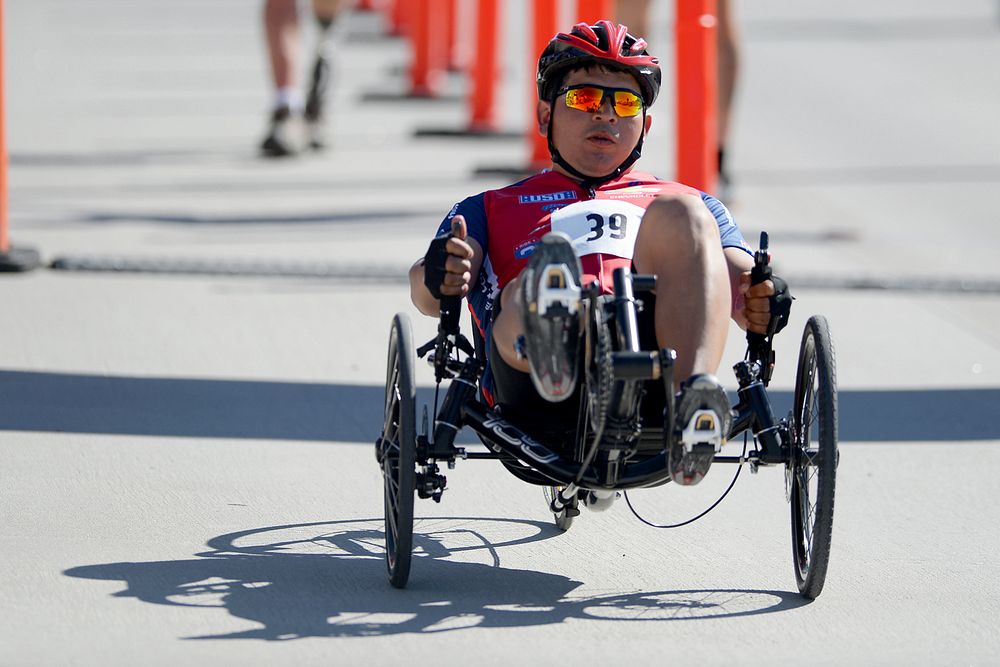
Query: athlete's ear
pixel 542 114
pixel 649 123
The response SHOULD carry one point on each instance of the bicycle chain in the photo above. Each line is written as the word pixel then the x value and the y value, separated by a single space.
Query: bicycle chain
pixel 602 376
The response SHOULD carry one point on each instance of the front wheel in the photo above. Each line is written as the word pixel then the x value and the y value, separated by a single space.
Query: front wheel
pixel 563 518
pixel 812 468
pixel 396 451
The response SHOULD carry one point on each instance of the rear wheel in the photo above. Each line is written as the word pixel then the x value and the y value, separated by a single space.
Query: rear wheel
pixel 397 451
pixel 812 468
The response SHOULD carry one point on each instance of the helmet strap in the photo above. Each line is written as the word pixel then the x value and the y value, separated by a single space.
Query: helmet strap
pixel 592 182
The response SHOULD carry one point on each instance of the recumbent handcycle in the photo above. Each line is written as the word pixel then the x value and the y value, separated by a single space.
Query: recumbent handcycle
pixel 618 443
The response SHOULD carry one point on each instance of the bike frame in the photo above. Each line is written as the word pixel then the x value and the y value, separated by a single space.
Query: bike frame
pixel 610 465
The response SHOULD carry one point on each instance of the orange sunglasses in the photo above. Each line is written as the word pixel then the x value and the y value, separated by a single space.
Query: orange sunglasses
pixel 589 97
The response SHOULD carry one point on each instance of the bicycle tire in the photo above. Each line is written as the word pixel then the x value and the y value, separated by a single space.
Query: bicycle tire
pixel 397 451
pixel 812 470
pixel 563 518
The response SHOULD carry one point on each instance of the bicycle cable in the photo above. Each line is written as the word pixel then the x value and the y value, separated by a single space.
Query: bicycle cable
pixel 711 507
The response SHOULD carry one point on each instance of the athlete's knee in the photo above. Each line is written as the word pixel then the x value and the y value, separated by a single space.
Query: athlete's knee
pixel 679 221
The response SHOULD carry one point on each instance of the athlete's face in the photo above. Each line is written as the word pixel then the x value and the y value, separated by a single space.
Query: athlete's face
pixel 595 142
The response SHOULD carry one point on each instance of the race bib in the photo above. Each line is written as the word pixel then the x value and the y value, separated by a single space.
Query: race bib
pixel 604 226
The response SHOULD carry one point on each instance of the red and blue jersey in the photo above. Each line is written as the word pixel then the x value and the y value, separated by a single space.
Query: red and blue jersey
pixel 508 223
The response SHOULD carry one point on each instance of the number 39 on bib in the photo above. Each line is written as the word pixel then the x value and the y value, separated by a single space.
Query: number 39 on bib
pixel 600 226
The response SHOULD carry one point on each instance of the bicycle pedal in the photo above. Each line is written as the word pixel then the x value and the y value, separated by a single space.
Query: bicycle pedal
pixel 704 428
pixel 558 293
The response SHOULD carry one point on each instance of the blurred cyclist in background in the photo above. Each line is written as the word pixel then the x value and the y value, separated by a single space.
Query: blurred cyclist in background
pixel 283 37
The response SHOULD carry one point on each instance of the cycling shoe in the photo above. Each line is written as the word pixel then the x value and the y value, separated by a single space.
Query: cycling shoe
pixel 279 141
pixel 702 420
pixel 550 292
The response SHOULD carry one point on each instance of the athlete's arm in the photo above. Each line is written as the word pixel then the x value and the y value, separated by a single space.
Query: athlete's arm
pixel 751 306
pixel 739 263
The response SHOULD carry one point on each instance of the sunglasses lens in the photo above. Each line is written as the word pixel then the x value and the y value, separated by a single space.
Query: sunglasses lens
pixel 627 104
pixel 584 99
pixel 589 99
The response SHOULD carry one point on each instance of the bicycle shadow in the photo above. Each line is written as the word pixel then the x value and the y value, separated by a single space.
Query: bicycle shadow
pixel 301 583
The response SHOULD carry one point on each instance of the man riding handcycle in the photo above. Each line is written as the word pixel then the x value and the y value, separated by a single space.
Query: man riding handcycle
pixel 574 383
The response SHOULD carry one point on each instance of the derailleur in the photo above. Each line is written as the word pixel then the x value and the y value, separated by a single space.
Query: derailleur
pixel 430 483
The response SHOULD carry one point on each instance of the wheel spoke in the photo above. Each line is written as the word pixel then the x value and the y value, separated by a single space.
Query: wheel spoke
pixel 391 408
pixel 389 427
pixel 393 487
pixel 391 495
pixel 393 382
pixel 392 506
pixel 392 525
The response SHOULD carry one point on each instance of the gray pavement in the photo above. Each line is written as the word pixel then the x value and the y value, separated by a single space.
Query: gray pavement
pixel 187 457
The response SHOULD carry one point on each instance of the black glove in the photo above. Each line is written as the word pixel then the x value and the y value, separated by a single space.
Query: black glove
pixel 434 264
pixel 780 304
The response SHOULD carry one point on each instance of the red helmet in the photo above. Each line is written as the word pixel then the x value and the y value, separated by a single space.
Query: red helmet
pixel 603 44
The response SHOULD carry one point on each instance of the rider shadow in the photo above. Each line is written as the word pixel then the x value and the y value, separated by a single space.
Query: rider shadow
pixel 333 584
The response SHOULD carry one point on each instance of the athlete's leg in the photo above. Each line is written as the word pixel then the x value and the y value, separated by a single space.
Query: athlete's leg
pixel 508 326
pixel 679 242
pixel 281 29
pixel 519 401
pixel 325 12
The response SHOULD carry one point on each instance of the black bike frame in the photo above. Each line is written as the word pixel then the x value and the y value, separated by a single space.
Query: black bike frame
pixel 610 471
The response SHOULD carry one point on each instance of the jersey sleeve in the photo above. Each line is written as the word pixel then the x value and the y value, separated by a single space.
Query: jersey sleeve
pixel 731 235
pixel 474 210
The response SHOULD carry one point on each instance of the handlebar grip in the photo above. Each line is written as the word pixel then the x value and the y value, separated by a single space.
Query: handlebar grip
pixel 761 271
pixel 451 306
pixel 451 309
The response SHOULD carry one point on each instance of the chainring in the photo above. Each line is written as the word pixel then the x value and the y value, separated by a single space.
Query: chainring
pixel 600 370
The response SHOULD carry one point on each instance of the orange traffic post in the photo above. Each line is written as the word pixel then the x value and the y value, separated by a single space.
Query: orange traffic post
pixel 483 69
pixel 11 259
pixel 546 25
pixel 592 11
pixel 428 47
pixel 452 35
pixel 4 237
pixel 483 80
pixel 398 15
pixel 696 96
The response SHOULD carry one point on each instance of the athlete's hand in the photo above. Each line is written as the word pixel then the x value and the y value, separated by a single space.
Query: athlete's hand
pixel 448 262
pixel 756 313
